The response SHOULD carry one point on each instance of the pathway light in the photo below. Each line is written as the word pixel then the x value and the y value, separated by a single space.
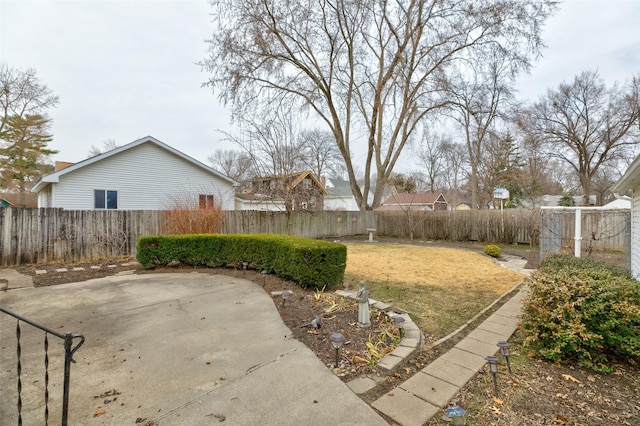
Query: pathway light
pixel 456 414
pixel 399 323
pixel 504 350
pixel 337 340
pixel 493 369
pixel 285 296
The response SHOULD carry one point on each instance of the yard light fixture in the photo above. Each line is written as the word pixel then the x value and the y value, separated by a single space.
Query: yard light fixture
pixel 264 277
pixel 399 322
pixel 493 369
pixel 285 296
pixel 337 340
pixel 245 265
pixel 456 415
pixel 504 350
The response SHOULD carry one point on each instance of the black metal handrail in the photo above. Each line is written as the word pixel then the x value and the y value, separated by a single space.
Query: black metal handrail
pixel 69 350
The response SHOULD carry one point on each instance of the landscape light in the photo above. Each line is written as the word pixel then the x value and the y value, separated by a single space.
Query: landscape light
pixel 399 322
pixel 264 276
pixel 493 369
pixel 245 265
pixel 337 339
pixel 456 414
pixel 504 350
pixel 285 296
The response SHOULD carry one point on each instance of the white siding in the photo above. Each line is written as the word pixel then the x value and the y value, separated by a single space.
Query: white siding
pixel 147 177
pixel 341 204
pixel 635 234
pixel 44 197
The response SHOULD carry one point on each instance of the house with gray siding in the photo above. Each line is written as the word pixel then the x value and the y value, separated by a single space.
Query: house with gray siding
pixel 145 174
pixel 631 181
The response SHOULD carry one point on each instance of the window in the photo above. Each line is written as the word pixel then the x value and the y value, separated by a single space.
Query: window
pixel 306 183
pixel 105 199
pixel 206 201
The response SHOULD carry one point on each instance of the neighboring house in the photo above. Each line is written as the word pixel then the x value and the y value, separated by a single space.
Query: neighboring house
pixel 292 191
pixel 27 200
pixel 554 200
pixel 143 175
pixel 631 180
pixel 463 206
pixel 339 196
pixel 622 203
pixel 415 202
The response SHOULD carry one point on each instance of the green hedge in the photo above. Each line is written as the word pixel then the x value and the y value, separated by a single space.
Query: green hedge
pixel 583 310
pixel 311 263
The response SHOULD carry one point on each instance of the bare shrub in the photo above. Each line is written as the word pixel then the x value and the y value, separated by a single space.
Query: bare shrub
pixel 193 215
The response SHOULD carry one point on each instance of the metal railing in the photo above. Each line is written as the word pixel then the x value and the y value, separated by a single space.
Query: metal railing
pixel 69 350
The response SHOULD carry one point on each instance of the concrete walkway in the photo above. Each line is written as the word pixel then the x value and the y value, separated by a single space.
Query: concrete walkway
pixel 413 402
pixel 428 392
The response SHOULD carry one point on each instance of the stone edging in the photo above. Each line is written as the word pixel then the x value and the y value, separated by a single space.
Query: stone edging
pixel 410 343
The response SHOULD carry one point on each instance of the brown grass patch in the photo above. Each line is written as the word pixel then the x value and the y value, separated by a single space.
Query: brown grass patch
pixel 441 287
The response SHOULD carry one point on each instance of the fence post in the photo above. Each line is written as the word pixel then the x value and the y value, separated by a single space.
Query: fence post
pixel 577 249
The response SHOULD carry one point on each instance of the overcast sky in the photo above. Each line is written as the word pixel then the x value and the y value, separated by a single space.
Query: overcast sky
pixel 125 69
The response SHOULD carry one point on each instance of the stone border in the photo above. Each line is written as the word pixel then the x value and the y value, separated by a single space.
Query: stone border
pixel 410 343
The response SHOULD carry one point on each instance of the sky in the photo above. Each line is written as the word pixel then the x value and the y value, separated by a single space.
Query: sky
pixel 125 69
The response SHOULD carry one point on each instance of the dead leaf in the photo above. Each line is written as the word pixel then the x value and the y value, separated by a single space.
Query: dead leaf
pixel 99 412
pixel 591 378
pixel 495 410
pixel 359 360
pixel 560 419
pixel 571 378
pixel 497 400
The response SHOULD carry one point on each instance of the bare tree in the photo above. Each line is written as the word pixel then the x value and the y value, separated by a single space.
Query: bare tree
pixel 321 154
pixel 270 139
pixel 371 65
pixel 24 127
pixel 21 94
pixel 480 93
pixel 431 153
pixel 107 145
pixel 586 125
pixel 232 163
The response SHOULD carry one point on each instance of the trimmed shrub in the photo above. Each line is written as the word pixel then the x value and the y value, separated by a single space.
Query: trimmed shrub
pixel 311 263
pixel 492 250
pixel 579 309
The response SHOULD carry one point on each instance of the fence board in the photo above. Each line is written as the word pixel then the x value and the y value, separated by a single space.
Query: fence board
pixel 57 235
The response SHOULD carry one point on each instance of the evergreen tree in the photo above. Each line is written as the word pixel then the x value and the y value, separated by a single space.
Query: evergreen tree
pixel 24 151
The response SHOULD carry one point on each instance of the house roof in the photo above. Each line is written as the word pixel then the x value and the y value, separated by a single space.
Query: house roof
pixel 20 199
pixel 55 176
pixel 296 178
pixel 631 178
pixel 338 188
pixel 403 207
pixel 414 199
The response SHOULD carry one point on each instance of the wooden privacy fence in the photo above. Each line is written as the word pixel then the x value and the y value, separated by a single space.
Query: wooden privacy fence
pixel 598 229
pixel 57 235
pixel 508 226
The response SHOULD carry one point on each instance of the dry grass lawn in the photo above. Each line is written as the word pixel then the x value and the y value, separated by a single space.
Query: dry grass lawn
pixel 442 288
